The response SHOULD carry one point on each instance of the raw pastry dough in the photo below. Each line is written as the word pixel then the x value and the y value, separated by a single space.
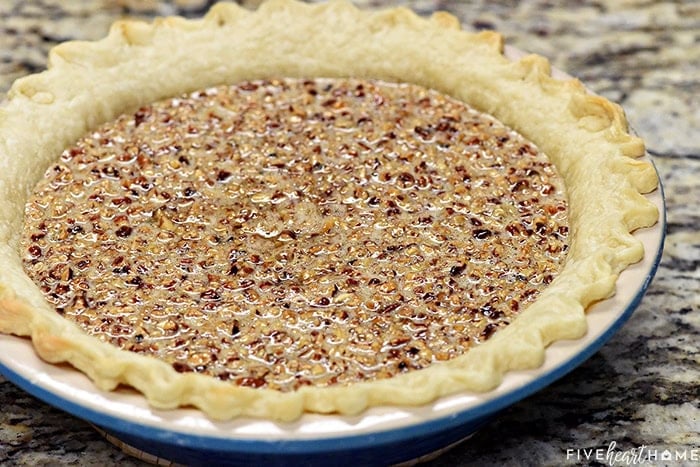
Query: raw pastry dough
pixel 89 83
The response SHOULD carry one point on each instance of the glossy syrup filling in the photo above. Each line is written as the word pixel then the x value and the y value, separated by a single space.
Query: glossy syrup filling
pixel 297 232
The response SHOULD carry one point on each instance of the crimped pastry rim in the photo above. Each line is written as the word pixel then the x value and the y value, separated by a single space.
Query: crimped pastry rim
pixel 586 137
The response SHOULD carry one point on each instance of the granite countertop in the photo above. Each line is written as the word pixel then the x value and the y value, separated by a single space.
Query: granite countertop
pixel 642 388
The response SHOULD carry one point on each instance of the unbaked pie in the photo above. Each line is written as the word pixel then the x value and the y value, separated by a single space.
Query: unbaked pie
pixel 308 208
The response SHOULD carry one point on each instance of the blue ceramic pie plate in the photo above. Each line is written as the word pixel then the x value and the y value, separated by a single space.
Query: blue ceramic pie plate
pixel 378 436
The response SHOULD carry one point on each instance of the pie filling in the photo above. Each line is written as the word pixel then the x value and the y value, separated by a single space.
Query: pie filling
pixel 297 232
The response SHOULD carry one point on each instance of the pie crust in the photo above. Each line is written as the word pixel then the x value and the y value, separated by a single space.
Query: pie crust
pixel 89 83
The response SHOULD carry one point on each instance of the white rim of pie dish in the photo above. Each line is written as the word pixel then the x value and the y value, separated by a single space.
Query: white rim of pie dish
pixel 126 411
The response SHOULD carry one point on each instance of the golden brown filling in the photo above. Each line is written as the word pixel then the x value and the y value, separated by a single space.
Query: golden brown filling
pixel 292 232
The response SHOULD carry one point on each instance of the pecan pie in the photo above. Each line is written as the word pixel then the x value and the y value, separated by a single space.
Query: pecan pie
pixel 300 209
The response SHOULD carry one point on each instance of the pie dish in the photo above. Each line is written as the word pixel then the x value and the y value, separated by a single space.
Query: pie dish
pixel 584 136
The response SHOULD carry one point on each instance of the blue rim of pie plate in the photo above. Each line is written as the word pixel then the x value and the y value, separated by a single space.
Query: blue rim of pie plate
pixel 425 431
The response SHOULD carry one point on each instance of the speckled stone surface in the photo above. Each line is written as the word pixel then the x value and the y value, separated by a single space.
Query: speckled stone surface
pixel 642 388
